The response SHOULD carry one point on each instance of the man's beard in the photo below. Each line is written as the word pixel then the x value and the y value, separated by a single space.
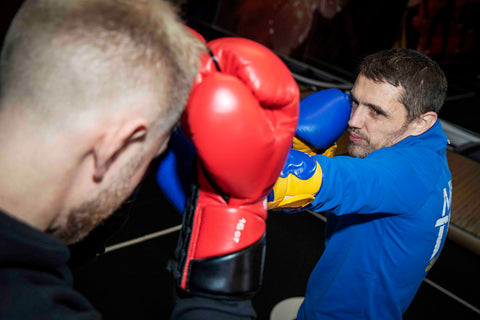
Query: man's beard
pixel 362 150
pixel 356 150
pixel 84 218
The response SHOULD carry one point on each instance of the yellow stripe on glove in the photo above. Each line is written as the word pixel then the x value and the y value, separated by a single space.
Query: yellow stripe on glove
pixel 298 184
pixel 301 145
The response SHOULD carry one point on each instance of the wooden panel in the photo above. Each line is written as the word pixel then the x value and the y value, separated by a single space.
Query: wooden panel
pixel 466 193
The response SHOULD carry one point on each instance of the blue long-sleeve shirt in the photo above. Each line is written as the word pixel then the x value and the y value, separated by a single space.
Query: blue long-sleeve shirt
pixel 387 219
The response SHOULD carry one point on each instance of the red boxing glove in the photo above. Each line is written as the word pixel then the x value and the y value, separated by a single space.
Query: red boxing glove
pixel 241 115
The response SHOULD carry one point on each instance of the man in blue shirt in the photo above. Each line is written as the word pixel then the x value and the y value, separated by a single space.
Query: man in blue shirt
pixel 388 205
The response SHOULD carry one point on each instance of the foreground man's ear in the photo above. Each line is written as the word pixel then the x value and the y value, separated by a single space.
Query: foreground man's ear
pixel 114 141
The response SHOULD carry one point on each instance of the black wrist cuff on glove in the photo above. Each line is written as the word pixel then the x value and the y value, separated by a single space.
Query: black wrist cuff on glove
pixel 237 275
pixel 233 276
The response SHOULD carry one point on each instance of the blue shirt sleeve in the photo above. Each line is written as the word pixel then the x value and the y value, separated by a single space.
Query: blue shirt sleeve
pixel 379 183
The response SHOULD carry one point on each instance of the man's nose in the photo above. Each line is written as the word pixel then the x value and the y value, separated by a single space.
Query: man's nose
pixel 356 118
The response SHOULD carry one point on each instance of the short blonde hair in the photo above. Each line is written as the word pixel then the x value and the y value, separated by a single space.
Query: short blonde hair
pixel 74 52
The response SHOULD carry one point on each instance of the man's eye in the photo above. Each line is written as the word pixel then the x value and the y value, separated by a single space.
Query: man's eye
pixel 377 113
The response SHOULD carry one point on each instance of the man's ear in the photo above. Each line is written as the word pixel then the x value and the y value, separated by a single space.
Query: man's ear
pixel 114 140
pixel 424 123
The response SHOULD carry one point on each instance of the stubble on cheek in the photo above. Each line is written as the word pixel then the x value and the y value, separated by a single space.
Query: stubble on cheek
pixel 85 217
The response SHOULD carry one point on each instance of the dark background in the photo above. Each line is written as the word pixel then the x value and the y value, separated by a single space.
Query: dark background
pixel 446 30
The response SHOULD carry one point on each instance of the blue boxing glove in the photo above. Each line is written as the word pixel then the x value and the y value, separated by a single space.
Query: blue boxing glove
pixel 175 170
pixel 323 119
pixel 298 184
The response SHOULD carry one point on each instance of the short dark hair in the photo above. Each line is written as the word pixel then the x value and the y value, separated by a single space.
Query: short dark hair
pixel 423 81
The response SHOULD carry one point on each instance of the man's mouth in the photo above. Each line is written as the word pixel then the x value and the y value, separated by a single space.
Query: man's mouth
pixel 355 138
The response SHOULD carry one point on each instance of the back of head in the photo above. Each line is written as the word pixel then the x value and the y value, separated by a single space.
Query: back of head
pixel 62 57
pixel 423 81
